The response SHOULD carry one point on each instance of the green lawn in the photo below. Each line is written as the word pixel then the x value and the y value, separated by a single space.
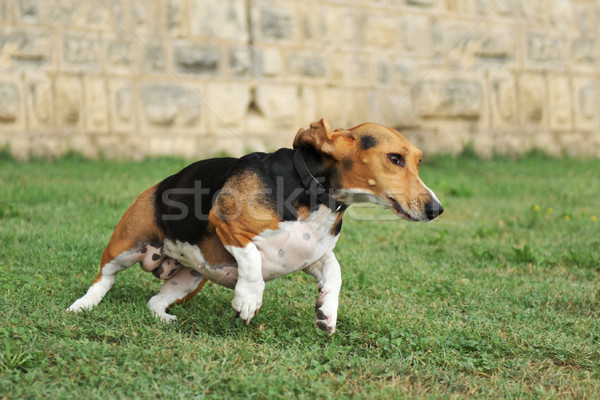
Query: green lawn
pixel 499 298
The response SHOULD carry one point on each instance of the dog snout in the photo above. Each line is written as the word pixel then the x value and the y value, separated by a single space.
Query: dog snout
pixel 433 209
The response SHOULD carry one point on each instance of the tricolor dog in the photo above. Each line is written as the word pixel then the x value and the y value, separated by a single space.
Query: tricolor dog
pixel 242 222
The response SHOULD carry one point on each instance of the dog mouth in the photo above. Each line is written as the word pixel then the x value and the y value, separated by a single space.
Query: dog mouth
pixel 399 210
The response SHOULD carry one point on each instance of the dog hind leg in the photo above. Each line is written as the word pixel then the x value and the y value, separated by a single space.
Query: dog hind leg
pixel 179 288
pixel 106 278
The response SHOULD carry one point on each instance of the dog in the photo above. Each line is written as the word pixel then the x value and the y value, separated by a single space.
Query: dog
pixel 242 222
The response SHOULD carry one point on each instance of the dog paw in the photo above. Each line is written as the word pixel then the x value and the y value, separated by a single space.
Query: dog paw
pixel 246 308
pixel 247 300
pixel 164 317
pixel 325 314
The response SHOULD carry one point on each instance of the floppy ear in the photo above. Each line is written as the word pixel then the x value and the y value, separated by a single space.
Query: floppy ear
pixel 320 137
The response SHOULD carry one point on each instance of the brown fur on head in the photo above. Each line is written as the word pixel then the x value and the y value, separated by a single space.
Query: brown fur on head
pixel 375 164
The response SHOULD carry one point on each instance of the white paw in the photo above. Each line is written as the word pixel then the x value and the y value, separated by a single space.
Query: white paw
pixel 247 300
pixel 159 309
pixel 164 317
pixel 326 312
pixel 75 308
pixel 80 305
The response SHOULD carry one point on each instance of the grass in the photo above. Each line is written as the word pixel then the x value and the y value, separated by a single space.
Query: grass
pixel 499 298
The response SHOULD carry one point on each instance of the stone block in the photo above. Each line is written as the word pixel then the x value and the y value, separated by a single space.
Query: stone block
pixel 457 98
pixel 120 54
pixel 118 16
pixel 574 143
pixel 512 144
pixel 462 46
pixel 586 103
pixel 169 105
pixel 31 48
pixel 417 35
pixel 503 99
pixel 121 105
pixel 240 62
pixel 560 102
pixel 69 102
pixel 380 31
pixel 77 13
pixel 278 103
pixel 332 101
pixel 154 55
pixel 407 72
pixel 390 108
pixel 177 18
pixel 584 54
pixel 497 44
pixel 39 102
pixel 544 49
pixel 83 144
pixel 358 70
pixel 560 14
pixel 47 147
pixel 226 19
pixel 145 16
pixel 81 51
pixel 383 72
pixel 10 104
pixel 28 10
pixel 547 142
pixel 272 22
pixel 20 147
pixel 227 106
pixel 96 104
pixel 307 64
pixel 532 99
pixel 198 59
pixel 586 17
pixel 322 26
pixel 535 12
pixel 268 61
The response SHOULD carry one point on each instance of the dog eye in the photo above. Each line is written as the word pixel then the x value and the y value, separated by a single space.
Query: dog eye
pixel 396 159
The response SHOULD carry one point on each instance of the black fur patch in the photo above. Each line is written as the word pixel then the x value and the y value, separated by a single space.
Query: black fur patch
pixel 367 141
pixel 183 201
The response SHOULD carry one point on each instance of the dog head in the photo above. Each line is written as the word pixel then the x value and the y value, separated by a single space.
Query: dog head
pixel 375 164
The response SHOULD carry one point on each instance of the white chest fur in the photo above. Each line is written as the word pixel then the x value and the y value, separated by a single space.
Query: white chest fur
pixel 296 244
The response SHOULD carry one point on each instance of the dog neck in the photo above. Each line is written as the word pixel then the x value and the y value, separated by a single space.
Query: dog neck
pixel 316 187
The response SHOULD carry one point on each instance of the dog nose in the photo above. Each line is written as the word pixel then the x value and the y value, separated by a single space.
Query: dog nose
pixel 433 209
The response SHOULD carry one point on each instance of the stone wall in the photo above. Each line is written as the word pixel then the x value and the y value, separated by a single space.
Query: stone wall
pixel 133 78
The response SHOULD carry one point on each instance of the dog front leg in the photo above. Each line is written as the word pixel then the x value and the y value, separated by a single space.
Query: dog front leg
pixel 250 285
pixel 327 272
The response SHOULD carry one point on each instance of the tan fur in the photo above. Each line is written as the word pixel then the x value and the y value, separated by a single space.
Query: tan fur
pixel 135 227
pixel 251 218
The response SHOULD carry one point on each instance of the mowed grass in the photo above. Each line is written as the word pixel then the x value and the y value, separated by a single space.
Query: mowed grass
pixel 499 298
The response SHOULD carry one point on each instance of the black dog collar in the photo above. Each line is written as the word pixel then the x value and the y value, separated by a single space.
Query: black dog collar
pixel 313 186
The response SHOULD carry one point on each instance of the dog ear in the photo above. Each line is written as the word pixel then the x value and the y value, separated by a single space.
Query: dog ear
pixel 320 137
